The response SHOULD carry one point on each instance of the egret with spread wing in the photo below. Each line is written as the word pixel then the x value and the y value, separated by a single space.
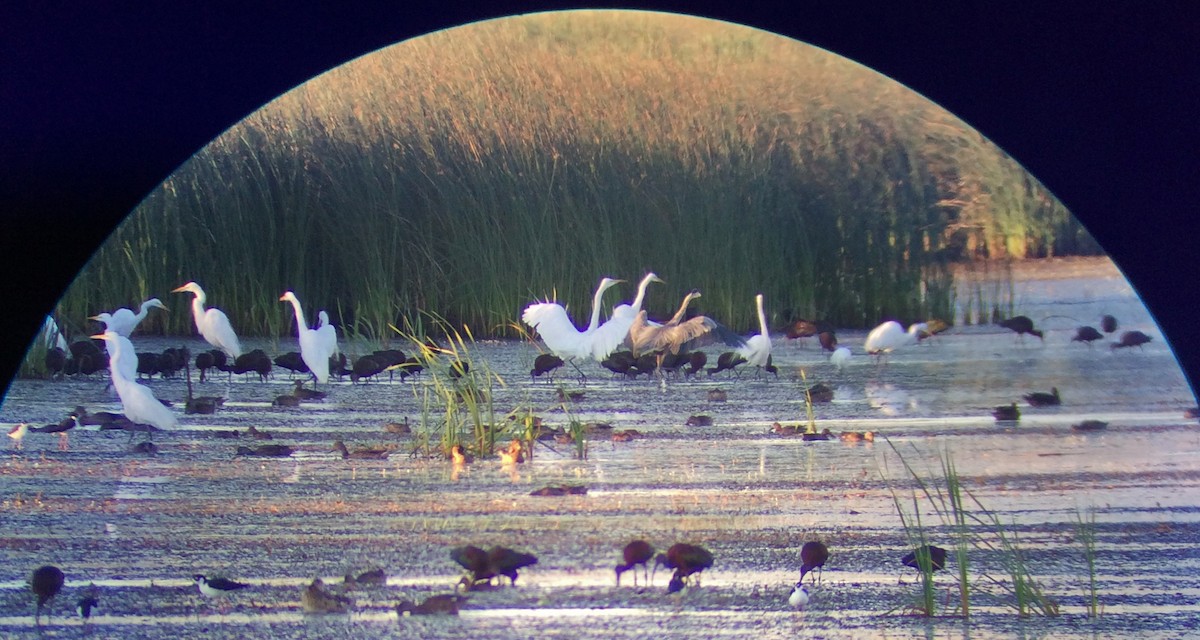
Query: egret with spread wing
pixel 553 324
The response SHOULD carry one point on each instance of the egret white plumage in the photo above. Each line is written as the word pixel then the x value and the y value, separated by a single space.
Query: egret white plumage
pixel 626 311
pixel 213 324
pixel 553 324
pixel 890 336
pixel 327 332
pixel 122 360
pixel 138 402
pixel 840 357
pixel 757 351
pixel 123 321
pixel 52 336
pixel 314 345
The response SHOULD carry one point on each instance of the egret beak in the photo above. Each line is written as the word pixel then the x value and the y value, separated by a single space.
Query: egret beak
pixel 98 337
pixel 182 289
pixel 95 317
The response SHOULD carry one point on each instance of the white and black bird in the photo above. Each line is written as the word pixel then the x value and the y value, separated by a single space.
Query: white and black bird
pixel 799 597
pixel 213 324
pixel 88 602
pixel 217 587
pixel 123 321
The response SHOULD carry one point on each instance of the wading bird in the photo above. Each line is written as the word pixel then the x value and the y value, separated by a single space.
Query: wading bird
pixel 552 323
pixel 45 583
pixel 545 363
pixel 1132 339
pixel 890 336
pixel 315 348
pixel 123 321
pixel 678 334
pixel 137 402
pixel 1087 334
pixel 1022 325
pixel 686 560
pixel 757 351
pixel 927 555
pixel 217 587
pixel 812 556
pixel 212 324
pixel 635 553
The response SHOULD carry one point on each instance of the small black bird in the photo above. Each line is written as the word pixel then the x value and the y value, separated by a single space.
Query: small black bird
pixel 1108 324
pixel 1087 334
pixel 217 587
pixel 45 583
pixel 1040 399
pixel 1007 413
pixel 1132 339
pixel 935 556
pixel 812 556
pixel 87 602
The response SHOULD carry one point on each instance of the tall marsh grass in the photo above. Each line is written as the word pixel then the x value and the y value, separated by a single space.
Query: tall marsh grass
pixel 472 170
pixel 973 527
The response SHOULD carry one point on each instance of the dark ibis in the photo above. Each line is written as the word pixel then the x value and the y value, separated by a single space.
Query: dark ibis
pixel 1108 324
pixel 635 553
pixel 926 556
pixel 813 556
pixel 1087 334
pixel 686 560
pixel 1132 339
pixel 46 582
pixel 545 363
pixel 1021 325
pixel 506 562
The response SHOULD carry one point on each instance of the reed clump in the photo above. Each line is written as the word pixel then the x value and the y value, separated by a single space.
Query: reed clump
pixel 973 527
pixel 470 170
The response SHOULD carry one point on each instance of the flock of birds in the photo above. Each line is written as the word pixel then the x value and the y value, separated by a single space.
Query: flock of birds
pixel 483 570
pixel 628 344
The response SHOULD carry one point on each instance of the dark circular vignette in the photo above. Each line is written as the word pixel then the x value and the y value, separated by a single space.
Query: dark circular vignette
pixel 98 106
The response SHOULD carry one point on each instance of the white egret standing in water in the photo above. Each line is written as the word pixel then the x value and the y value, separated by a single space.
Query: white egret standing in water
pixel 314 347
pixel 213 324
pixel 757 351
pixel 137 402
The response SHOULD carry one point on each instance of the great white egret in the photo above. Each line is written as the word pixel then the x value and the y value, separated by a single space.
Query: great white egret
pixel 327 332
pixel 890 336
pixel 676 332
pixel 123 321
pixel 314 346
pixel 553 324
pixel 138 402
pixel 758 347
pixel 122 360
pixel 213 324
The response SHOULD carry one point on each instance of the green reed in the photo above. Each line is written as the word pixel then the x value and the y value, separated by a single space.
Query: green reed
pixel 1085 533
pixel 473 170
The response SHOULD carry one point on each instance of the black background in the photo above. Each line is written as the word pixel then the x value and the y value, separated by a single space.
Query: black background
pixel 98 104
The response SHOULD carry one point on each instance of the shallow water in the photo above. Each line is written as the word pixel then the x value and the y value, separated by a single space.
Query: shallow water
pixel 139 527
